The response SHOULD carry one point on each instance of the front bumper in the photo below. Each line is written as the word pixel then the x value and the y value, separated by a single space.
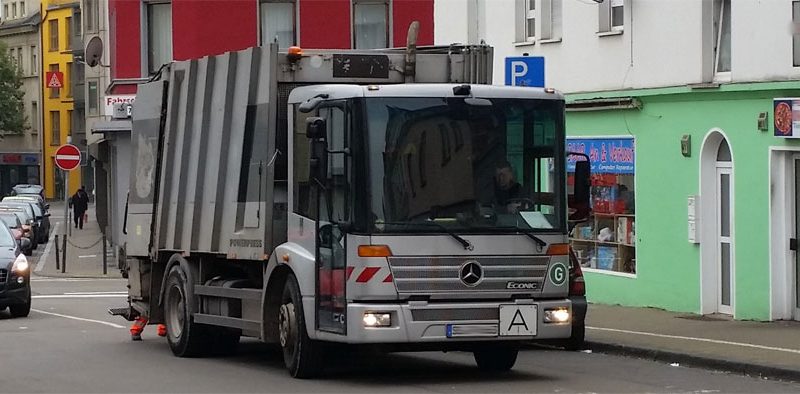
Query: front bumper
pixel 13 293
pixel 428 322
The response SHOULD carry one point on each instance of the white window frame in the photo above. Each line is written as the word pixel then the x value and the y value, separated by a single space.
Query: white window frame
pixel 145 35
pixel 261 37
pixel 795 34
pixel 14 10
pixel 22 9
pixel 551 16
pixel 721 76
pixel 389 20
pixel 530 14
pixel 605 17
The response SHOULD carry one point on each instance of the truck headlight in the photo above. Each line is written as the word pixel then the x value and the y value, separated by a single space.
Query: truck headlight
pixel 377 319
pixel 20 264
pixel 557 315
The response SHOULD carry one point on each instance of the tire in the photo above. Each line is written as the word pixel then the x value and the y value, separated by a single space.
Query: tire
pixel 301 355
pixel 576 341
pixel 496 359
pixel 186 338
pixel 21 310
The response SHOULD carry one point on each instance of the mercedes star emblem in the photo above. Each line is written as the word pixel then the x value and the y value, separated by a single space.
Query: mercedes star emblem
pixel 471 273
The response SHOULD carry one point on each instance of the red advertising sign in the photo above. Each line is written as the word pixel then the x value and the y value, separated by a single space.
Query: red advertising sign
pixel 55 79
pixel 68 157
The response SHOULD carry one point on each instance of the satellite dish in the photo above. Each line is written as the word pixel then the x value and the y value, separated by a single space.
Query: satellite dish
pixel 94 52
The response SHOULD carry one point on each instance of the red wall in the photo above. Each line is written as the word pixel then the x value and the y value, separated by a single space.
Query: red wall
pixel 406 11
pixel 325 24
pixel 211 27
pixel 124 32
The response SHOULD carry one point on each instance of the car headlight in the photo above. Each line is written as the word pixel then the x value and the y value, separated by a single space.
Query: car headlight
pixel 20 264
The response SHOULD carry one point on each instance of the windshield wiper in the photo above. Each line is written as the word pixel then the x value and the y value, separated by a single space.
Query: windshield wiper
pixel 466 244
pixel 529 233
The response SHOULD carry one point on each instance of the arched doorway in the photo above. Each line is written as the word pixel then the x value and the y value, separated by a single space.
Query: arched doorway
pixel 717 240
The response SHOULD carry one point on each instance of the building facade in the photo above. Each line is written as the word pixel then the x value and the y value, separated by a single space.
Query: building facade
pixel 20 154
pixel 684 109
pixel 144 35
pixel 60 22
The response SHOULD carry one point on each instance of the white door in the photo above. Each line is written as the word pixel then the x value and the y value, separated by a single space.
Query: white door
pixel 796 263
pixel 725 261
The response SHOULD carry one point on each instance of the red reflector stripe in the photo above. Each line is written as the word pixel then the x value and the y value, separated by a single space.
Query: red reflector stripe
pixel 388 278
pixel 367 274
pixel 349 272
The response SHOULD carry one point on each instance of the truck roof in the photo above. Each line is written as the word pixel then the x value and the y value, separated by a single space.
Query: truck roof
pixel 338 91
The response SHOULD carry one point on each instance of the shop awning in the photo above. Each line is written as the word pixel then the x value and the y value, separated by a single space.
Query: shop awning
pixel 112 126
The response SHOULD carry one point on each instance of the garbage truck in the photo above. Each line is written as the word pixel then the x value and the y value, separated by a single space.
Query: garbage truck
pixel 391 199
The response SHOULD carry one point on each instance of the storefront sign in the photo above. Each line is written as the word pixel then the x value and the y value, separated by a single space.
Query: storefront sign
pixel 786 117
pixel 607 155
pixel 117 99
pixel 22 159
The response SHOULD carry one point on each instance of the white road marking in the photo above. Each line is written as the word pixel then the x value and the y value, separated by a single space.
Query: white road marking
pixel 80 296
pixel 717 341
pixel 96 292
pixel 88 256
pixel 43 258
pixel 79 318
pixel 47 279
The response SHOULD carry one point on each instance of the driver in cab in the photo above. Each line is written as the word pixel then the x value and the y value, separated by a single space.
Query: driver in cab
pixel 507 191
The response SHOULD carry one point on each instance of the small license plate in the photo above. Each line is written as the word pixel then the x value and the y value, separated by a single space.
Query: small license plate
pixel 518 320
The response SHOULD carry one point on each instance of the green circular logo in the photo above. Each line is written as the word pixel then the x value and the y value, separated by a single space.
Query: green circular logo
pixel 558 274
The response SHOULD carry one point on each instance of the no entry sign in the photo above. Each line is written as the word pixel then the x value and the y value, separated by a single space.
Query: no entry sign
pixel 68 157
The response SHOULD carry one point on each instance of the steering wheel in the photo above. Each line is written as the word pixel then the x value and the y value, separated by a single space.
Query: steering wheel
pixel 523 204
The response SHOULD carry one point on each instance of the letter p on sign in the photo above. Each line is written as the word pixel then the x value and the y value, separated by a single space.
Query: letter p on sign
pixel 525 71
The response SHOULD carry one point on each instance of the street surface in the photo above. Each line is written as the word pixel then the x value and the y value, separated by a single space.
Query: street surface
pixel 69 344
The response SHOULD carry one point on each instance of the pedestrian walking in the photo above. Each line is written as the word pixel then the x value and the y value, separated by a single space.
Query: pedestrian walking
pixel 80 203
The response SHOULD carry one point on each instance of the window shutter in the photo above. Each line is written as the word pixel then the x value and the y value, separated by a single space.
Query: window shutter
pixel 520 18
pixel 604 17
pixel 546 19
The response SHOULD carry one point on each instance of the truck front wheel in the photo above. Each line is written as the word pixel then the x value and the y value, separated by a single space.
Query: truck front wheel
pixel 185 337
pixel 301 355
pixel 496 358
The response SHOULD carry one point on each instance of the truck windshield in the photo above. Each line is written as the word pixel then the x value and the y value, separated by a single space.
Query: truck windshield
pixel 474 166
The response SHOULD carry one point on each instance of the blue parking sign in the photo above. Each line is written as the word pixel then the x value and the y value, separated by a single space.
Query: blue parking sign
pixel 525 71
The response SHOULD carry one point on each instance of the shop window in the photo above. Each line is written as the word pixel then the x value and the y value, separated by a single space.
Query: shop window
pixel 607 240
pixel 370 24
pixel 278 19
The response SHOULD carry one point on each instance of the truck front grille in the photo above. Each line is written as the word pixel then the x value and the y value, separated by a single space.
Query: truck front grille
pixel 417 275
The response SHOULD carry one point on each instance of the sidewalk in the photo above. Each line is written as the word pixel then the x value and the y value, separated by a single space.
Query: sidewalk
pixel 769 349
pixel 84 248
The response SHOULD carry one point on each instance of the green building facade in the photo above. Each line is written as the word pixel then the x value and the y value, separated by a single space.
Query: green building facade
pixel 703 224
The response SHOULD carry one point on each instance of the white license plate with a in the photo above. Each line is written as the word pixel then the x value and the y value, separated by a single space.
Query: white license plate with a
pixel 518 320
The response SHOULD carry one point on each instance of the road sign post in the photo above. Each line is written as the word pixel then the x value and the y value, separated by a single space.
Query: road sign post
pixel 68 158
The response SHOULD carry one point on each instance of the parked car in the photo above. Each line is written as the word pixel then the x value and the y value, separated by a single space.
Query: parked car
pixel 15 276
pixel 28 189
pixel 35 197
pixel 27 218
pixel 11 220
pixel 37 220
pixel 42 216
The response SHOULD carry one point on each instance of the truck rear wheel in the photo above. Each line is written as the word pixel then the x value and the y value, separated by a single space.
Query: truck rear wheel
pixel 186 338
pixel 496 358
pixel 301 355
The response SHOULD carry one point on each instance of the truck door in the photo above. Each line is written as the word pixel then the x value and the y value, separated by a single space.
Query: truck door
pixel 333 205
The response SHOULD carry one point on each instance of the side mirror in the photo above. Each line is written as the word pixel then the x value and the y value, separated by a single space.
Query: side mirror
pixel 318 162
pixel 582 186
pixel 46 206
pixel 316 128
pixel 24 243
